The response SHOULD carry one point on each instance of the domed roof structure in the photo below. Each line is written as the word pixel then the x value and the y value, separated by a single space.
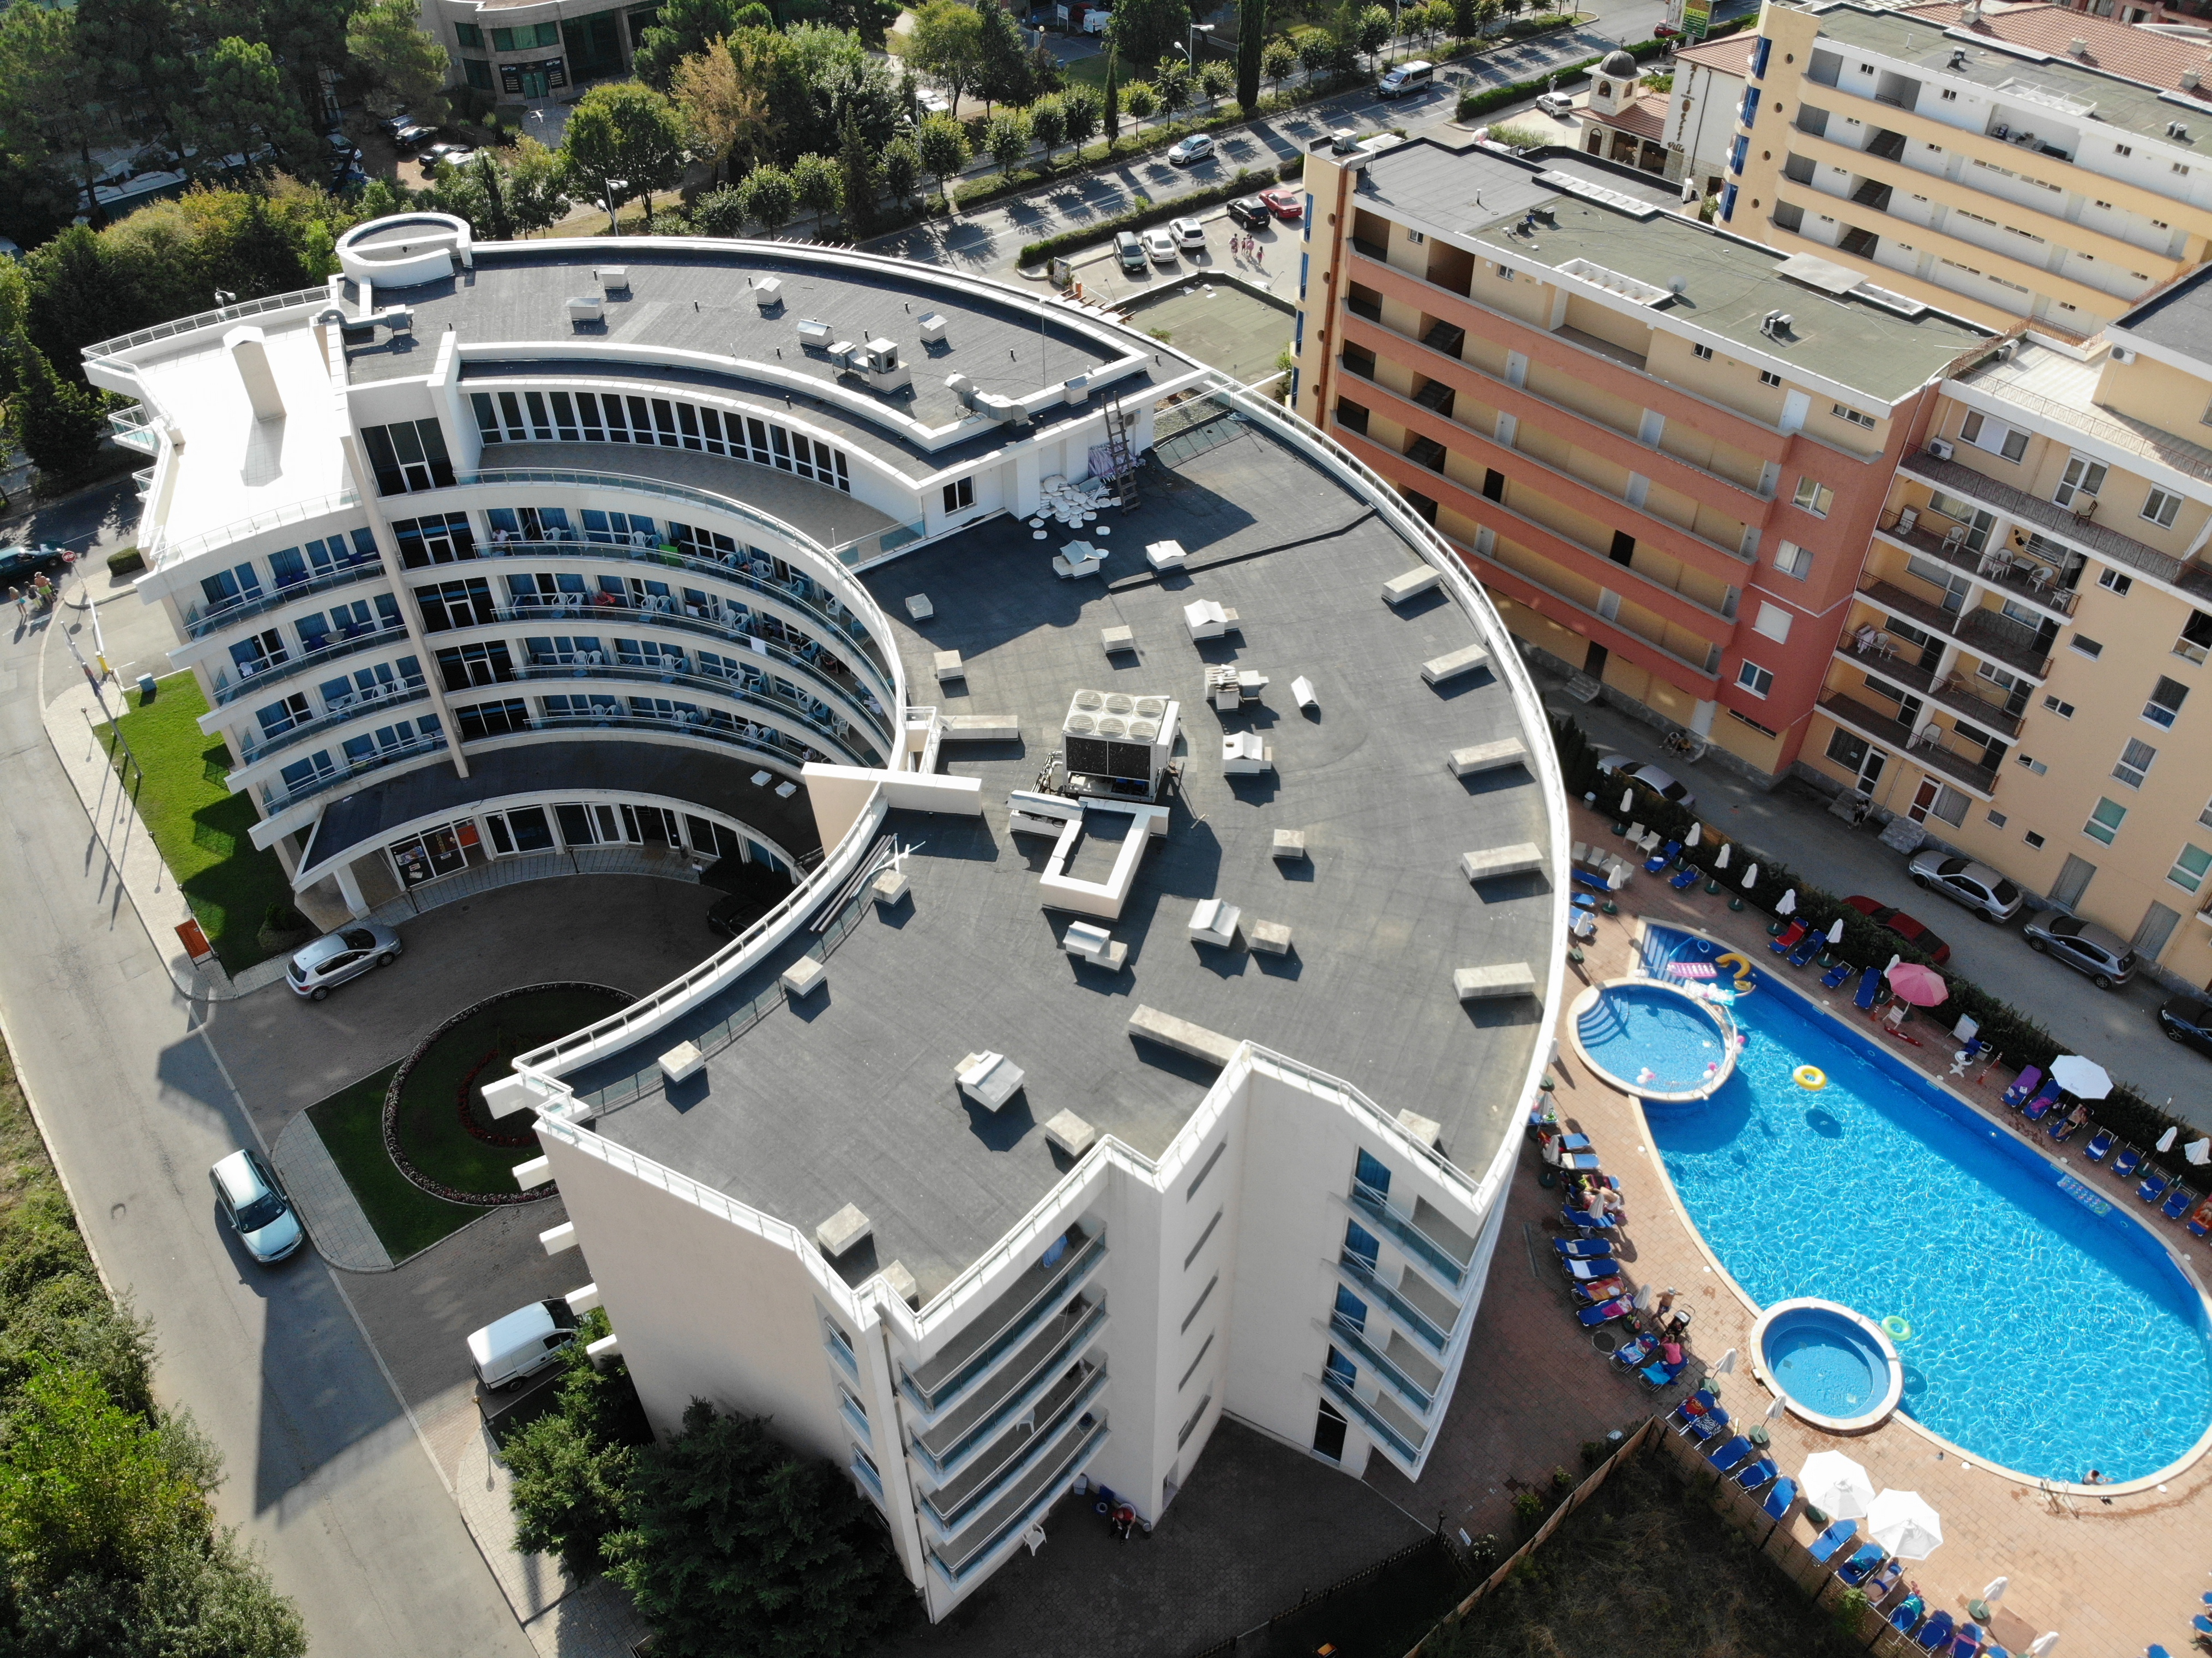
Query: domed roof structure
pixel 1617 63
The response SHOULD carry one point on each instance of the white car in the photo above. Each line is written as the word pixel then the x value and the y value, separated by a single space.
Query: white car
pixel 1650 776
pixel 1196 148
pixel 1161 246
pixel 1190 235
pixel 1557 105
pixel 256 1207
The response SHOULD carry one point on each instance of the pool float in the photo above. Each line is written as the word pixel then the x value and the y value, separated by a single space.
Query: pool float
pixel 1896 1328
pixel 1743 979
pixel 1809 1077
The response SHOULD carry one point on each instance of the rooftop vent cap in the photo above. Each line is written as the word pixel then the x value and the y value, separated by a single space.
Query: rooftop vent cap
pixel 2176 129
pixel 1144 730
pixel 1151 708
pixel 2189 77
pixel 1112 727
pixel 1080 724
pixel 768 293
pixel 1089 700
pixel 399 319
pixel 2078 47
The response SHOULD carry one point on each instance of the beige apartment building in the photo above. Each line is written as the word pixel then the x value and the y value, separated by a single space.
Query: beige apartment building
pixel 2023 671
pixel 2004 161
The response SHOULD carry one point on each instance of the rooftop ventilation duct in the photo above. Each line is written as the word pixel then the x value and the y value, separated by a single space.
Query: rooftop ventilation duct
pixel 2078 47
pixel 249 353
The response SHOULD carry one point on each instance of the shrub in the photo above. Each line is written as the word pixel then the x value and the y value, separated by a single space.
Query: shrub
pixel 1562 1480
pixel 1595 1451
pixel 1148 212
pixel 572 1466
pixel 1528 1507
pixel 124 560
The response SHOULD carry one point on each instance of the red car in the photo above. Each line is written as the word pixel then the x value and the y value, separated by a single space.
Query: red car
pixel 1905 926
pixel 1286 204
pixel 1665 31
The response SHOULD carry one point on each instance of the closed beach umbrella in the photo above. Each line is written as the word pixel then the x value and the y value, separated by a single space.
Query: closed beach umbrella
pixel 1727 1366
pixel 1893 961
pixel 1995 1592
pixel 1774 1411
pixel 2165 1140
pixel 2198 1150
pixel 1721 861
pixel 1751 878
pixel 2085 1079
pixel 1903 1523
pixel 1644 1297
pixel 1787 903
pixel 1923 986
pixel 2043 1645
pixel 1697 833
pixel 1836 931
pixel 1835 1485
pixel 1627 801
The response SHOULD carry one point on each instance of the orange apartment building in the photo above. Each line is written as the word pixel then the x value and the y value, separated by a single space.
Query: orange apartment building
pixel 1662 447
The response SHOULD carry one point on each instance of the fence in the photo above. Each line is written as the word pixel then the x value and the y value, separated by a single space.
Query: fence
pixel 1432 1544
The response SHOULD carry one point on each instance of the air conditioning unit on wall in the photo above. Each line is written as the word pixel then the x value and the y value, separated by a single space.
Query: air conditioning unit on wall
pixel 1940 447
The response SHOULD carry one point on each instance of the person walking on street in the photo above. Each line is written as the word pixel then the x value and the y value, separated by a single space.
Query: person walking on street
pixel 21 601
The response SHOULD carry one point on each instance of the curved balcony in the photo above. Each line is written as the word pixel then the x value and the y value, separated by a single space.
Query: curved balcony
pixel 254 747
pixel 543 674
pixel 199 623
pixel 954 1506
pixel 291 664
pixel 275 801
pixel 943 1451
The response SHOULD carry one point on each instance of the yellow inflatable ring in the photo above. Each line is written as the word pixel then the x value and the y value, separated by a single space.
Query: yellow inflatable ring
pixel 1897 1328
pixel 1809 1076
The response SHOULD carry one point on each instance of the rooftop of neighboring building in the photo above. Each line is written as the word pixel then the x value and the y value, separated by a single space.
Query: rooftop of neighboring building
pixel 849 1095
pixel 2178 318
pixel 1620 223
pixel 1644 115
pixel 2131 75
pixel 1729 55
pixel 2061 389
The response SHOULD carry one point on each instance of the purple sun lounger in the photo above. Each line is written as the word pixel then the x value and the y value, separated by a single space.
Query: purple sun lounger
pixel 2023 1086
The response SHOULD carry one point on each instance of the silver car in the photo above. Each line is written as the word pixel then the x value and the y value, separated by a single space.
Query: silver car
pixel 1977 886
pixel 256 1207
pixel 2104 957
pixel 337 956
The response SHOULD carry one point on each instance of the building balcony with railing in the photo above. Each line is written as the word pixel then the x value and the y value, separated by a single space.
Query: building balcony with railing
pixel 2023 567
pixel 272 737
pixel 1431 1318
pixel 996 1530
pixel 980 1355
pixel 1932 746
pixel 1986 632
pixel 1895 663
pixel 1428 1238
pixel 947 1446
pixel 1396 1434
pixel 1396 1361
pixel 1001 1464
pixel 202 621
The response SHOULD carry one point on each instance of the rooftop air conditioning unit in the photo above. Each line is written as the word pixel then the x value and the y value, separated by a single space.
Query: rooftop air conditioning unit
pixel 2189 77
pixel 1117 747
pixel 2078 47
pixel 1940 447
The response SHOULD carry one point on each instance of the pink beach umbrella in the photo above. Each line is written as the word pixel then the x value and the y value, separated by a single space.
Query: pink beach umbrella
pixel 1923 986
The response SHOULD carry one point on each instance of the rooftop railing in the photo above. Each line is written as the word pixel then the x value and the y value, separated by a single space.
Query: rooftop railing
pixel 164 551
pixel 261 307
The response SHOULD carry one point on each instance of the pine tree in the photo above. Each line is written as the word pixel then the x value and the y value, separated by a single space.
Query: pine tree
pixel 1251 43
pixel 59 425
pixel 862 185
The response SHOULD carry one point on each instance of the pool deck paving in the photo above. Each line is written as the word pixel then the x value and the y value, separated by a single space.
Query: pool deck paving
pixel 2111 1572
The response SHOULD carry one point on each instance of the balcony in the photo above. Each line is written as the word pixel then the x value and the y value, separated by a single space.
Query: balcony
pixel 2008 378
pixel 1507 576
pixel 2030 583
pixel 1037 1293
pixel 1021 1507
pixel 275 801
pixel 254 746
pixel 1987 633
pixel 1000 1467
pixel 199 623
pixel 944 1449
pixel 865 1472
pixel 1936 757
pixel 133 429
pixel 1431 1326
pixel 1414 1378
pixel 752 692
pixel 287 665
pixel 1400 1437
pixel 1433 1243
pixel 1953 690
pixel 2077 531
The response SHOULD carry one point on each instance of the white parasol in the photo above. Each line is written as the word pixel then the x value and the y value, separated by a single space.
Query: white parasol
pixel 1835 1485
pixel 2198 1150
pixel 1627 801
pixel 1836 931
pixel 1787 904
pixel 1751 878
pixel 1774 1411
pixel 2165 1140
pixel 1696 834
pixel 2043 1645
pixel 2085 1079
pixel 1721 862
pixel 1995 1592
pixel 1903 1523
pixel 1727 1366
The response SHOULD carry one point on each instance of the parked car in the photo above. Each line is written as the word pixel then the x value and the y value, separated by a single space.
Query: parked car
pixel 1650 776
pixel 2186 1020
pixel 2103 958
pixel 414 137
pixel 1914 931
pixel 341 146
pixel 1161 246
pixel 1196 148
pixel 1557 105
pixel 1663 31
pixel 396 124
pixel 1977 886
pixel 1286 204
pixel 1190 235
pixel 1251 212
pixel 20 563
pixel 346 180
pixel 454 153
pixel 255 1206
pixel 1129 249
pixel 518 1346
pixel 335 957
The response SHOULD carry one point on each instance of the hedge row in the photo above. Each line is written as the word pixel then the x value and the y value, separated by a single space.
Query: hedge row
pixel 2019 1038
pixel 1150 212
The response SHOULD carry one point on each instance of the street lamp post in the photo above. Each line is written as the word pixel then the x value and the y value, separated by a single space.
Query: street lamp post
pixel 1189 44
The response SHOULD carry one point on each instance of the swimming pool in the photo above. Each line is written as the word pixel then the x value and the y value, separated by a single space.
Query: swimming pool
pixel 2040 1334
pixel 1838 1370
pixel 1653 1040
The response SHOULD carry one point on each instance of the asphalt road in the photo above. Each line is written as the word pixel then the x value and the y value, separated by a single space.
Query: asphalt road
pixel 326 1474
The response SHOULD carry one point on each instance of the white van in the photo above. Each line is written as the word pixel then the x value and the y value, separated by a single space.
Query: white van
pixel 1408 77
pixel 524 1342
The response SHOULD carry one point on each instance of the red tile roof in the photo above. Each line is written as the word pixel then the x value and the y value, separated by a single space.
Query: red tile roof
pixel 1646 116
pixel 1730 55
pixel 2122 49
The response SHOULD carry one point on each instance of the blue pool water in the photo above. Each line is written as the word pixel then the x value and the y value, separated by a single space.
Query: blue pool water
pixel 1651 1038
pixel 1826 1362
pixel 2044 1337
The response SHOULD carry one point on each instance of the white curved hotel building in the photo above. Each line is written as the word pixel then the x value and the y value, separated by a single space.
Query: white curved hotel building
pixel 1150 1029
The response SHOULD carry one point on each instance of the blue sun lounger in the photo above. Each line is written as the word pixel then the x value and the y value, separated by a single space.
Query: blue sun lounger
pixel 1590 1272
pixel 1862 1564
pixel 1712 1425
pixel 1935 1632
pixel 1589 1220
pixel 2099 1146
pixel 1591 878
pixel 1659 860
pixel 1634 1354
pixel 2178 1202
pixel 2154 1186
pixel 1836 974
pixel 1703 1400
pixel 1906 1614
pixel 2201 1623
pixel 1685 877
pixel 1815 943
pixel 1584 1248
pixel 1884 1582
pixel 1779 1498
pixel 1751 1478
pixel 1825 1544
pixel 1661 1377
pixel 1727 1456
pixel 2023 1086
pixel 1605 1312
pixel 2037 1108
pixel 1869 986
pixel 2124 1166
pixel 1968 1642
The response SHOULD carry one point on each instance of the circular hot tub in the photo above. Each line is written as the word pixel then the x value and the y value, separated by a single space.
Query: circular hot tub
pixel 1657 1040
pixel 1834 1367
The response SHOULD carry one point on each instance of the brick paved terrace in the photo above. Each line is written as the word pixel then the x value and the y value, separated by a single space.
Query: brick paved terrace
pixel 2111 1576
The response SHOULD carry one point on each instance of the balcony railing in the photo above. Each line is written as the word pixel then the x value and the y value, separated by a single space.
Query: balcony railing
pixel 856 1418
pixel 1036 1295
pixel 633 483
pixel 1351 1336
pixel 2026 580
pixel 256 746
pixel 199 623
pixel 205 320
pixel 2135 437
pixel 275 799
pixel 1449 1269
pixel 162 552
pixel 1020 1508
pixel 869 1477
pixel 1985 632
pixel 1408 1317
pixel 289 664
pixel 1954 690
pixel 133 429
pixel 943 1450
pixel 1894 735
pixel 1386 1432
pixel 851 739
pixel 1005 1459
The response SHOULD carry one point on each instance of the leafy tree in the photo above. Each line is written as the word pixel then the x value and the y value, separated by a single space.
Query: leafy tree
pixel 1172 82
pixel 496 225
pixel 306 37
pixel 901 169
pixel 1141 101
pixel 572 1466
pixel 1078 113
pixel 1513 8
pixel 1145 31
pixel 681 29
pixel 733 1532
pixel 719 212
pixel 1251 52
pixel 1006 137
pixel 723 94
pixel 388 41
pixel 627 139
pixel 947 47
pixel 1217 80
pixel 859 177
pixel 141 54
pixel 819 183
pixel 943 145
pixel 249 103
pixel 1278 58
pixel 770 197
pixel 1048 125
pixel 1372 29
pixel 50 95
pixel 1466 19
pixel 537 197
pixel 1003 74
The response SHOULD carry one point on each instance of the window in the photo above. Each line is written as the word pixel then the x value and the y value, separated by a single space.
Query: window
pixel 605 417
pixel 2079 485
pixel 2033 840
pixel 1202 1297
pixel 2160 508
pixel 1702 353
pixel 493 719
pixel 2135 761
pixel 1852 415
pixel 2032 764
pixel 1996 820
pixel 2104 822
pixel 2189 868
pixel 2165 700
pixel 1755 679
pixel 1329 1433
pixel 1361 1242
pixel 2064 710
pixel 408 456
pixel 478 73
pixel 1949 96
pixel 437 539
pixel 523 39
pixel 2123 149
pixel 1768 377
pixel 1794 560
pixel 2114 582
pixel 1773 620
pixel 2089 646
pixel 2180 169
pixel 2204 817
pixel 1190 1427
pixel 1846 749
pixel 1371 1171
pixel 469 35
pixel 1993 436
pixel 1814 497
pixel 960 494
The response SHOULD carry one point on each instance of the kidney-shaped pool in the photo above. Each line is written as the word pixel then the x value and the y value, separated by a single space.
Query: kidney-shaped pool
pixel 2040 1328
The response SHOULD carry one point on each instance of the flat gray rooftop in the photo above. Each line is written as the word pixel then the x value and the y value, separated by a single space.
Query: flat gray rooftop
pixel 698 299
pixel 1730 284
pixel 848 1095
pixel 2180 319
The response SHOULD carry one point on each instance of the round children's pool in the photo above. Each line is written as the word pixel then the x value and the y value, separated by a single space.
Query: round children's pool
pixel 1836 1369
pixel 1653 1040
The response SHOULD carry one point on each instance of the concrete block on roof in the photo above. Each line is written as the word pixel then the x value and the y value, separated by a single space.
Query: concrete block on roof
pixel 1071 1134
pixel 1427 1130
pixel 1290 845
pixel 1437 670
pixel 803 976
pixel 980 727
pixel 1400 588
pixel 841 1231
pixel 1489 756
pixel 1272 938
pixel 919 607
pixel 683 1061
pixel 1183 1036
pixel 1517 859
pixel 890 887
pixel 946 664
pixel 902 1284
pixel 1482 984
pixel 1117 640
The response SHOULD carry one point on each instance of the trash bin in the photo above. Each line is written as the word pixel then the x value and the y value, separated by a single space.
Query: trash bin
pixel 146 687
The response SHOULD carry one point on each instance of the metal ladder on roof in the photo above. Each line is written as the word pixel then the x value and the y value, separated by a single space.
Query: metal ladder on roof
pixel 1121 459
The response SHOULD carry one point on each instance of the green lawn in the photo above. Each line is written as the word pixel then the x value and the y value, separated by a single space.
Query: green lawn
pixel 407 1218
pixel 200 829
